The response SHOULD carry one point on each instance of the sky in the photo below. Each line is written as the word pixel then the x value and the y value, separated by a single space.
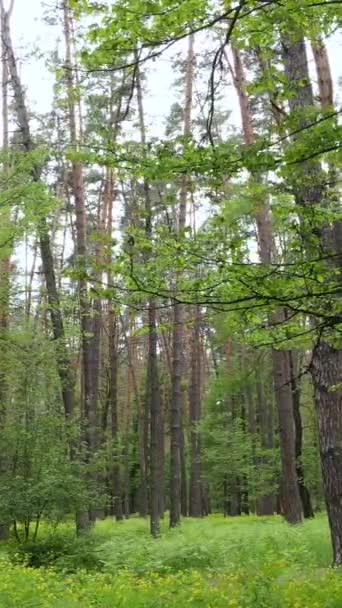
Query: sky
pixel 31 32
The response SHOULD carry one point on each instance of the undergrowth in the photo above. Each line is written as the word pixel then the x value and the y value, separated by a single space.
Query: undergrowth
pixel 244 562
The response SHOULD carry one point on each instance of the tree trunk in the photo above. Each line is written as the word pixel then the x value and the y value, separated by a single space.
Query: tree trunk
pixel 303 490
pixel 326 362
pixel 5 262
pixel 143 460
pixel 195 416
pixel 184 476
pixel 325 82
pixel 178 323
pixel 266 504
pixel 89 392
pixel 113 398
pixel 153 397
pixel 112 395
pixel 326 93
pixel 326 370
pixel 291 504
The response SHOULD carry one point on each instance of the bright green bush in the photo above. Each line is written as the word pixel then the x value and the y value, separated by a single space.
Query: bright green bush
pixel 61 549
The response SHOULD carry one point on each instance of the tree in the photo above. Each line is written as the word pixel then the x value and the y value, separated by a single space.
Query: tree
pixel 177 398
pixel 327 357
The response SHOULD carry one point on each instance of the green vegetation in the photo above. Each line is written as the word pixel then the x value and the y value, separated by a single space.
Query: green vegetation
pixel 244 562
pixel 170 306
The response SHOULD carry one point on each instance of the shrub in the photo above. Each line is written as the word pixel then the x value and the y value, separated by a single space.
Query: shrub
pixel 62 550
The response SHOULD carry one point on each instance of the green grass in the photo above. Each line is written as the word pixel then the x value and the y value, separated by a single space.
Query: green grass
pixel 212 563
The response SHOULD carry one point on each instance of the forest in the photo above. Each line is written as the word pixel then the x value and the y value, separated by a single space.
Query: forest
pixel 170 305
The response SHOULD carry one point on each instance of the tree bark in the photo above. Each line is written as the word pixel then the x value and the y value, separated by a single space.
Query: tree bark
pixel 5 263
pixel 326 374
pixel 184 476
pixel 178 322
pixel 325 82
pixel 303 490
pixel 153 397
pixel 113 363
pixel 265 504
pixel 291 504
pixel 195 417
pixel 113 398
pixel 89 373
pixel 326 362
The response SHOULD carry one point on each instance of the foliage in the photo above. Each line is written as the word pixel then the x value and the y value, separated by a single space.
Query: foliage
pixel 59 548
pixel 39 480
pixel 245 563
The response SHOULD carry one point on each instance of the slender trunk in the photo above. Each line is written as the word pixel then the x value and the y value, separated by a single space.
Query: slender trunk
pixel 291 504
pixel 195 417
pixel 303 490
pixel 30 283
pixel 5 263
pixel 141 503
pixel 153 397
pixel 176 409
pixel 266 503
pixel 143 460
pixel 113 398
pixel 97 324
pixel 112 395
pixel 89 392
pixel 244 479
pixel 178 324
pixel 184 476
pixel 249 417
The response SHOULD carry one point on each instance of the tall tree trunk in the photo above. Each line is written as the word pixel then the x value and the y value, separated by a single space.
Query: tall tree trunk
pixel 291 499
pixel 178 322
pixel 326 365
pixel 97 321
pixel 113 363
pixel 89 377
pixel 5 261
pixel 153 397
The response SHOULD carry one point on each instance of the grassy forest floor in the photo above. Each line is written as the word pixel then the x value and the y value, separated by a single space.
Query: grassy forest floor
pixel 244 562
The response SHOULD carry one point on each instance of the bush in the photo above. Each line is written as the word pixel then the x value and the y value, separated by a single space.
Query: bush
pixel 62 550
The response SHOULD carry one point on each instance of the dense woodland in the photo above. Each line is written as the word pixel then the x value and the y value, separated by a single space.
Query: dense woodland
pixel 170 306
